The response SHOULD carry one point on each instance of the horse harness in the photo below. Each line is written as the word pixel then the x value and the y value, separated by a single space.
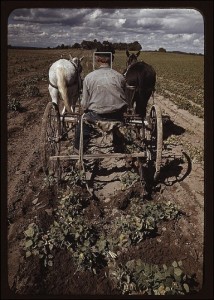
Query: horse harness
pixel 78 78
pixel 133 88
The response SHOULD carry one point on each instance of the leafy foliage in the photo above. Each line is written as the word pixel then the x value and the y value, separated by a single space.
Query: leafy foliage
pixel 90 248
pixel 131 229
pixel 129 179
pixel 94 249
pixel 138 277
pixel 75 177
pixel 65 232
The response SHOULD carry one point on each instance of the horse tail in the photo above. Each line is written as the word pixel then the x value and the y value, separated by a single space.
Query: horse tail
pixel 141 102
pixel 146 89
pixel 62 86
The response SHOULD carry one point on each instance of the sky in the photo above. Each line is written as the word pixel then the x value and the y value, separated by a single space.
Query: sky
pixel 173 29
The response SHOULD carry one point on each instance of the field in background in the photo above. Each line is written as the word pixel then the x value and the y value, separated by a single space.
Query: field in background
pixel 180 77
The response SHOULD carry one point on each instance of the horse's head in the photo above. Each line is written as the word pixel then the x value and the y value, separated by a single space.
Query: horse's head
pixel 77 62
pixel 131 58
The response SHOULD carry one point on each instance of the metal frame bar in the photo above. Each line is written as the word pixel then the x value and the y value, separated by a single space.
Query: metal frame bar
pixel 97 156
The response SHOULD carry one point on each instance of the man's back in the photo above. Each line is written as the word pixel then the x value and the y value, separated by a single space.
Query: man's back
pixel 103 90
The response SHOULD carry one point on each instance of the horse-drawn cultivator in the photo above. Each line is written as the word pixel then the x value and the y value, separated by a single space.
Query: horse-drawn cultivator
pixel 145 144
pixel 137 140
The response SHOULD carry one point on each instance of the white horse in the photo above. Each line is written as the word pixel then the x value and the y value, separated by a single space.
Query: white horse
pixel 64 79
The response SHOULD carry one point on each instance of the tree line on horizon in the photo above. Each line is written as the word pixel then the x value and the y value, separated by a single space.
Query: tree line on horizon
pixel 91 45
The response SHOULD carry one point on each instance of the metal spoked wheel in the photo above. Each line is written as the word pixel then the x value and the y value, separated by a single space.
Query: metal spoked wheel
pixel 156 138
pixel 50 140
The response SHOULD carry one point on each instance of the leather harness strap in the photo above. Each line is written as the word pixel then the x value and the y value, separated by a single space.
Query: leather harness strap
pixel 54 86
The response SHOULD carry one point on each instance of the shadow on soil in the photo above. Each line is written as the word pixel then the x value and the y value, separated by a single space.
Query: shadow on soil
pixel 177 167
pixel 169 128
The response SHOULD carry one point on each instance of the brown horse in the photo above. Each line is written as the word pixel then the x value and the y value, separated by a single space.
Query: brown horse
pixel 140 83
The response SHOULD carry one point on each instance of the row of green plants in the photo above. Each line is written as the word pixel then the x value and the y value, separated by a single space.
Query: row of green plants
pixel 137 277
pixel 95 245
pixel 181 101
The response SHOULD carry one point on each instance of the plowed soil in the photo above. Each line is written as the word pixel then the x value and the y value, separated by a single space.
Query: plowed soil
pixel 29 198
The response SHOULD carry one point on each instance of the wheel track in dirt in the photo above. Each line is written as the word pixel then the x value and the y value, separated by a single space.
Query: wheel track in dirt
pixel 189 192
pixel 182 117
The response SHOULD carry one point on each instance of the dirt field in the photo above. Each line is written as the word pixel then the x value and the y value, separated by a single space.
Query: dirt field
pixel 31 200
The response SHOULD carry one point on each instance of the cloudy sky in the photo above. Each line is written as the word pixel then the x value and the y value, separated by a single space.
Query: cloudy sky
pixel 172 29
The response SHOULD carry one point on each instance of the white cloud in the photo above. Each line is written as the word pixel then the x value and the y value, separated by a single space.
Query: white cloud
pixel 95 14
pixel 175 29
pixel 120 22
pixel 196 42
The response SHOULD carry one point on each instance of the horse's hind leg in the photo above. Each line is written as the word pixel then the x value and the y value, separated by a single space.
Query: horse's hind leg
pixel 54 93
pixel 141 103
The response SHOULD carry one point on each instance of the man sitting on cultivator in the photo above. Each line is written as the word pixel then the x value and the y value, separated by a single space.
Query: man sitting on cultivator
pixel 103 95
